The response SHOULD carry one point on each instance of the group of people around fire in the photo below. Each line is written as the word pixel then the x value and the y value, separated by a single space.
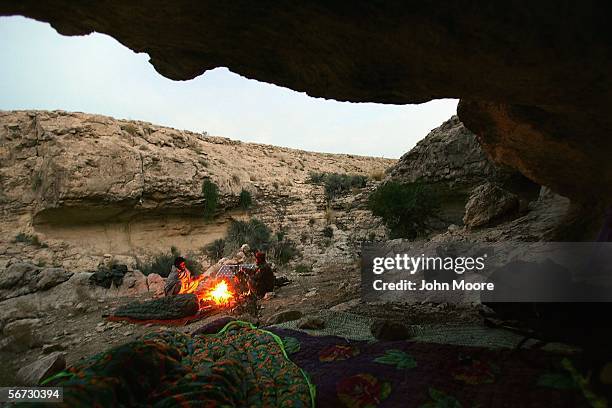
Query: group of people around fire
pixel 260 279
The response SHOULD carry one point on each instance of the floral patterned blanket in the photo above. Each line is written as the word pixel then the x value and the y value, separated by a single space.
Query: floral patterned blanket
pixel 240 366
pixel 428 375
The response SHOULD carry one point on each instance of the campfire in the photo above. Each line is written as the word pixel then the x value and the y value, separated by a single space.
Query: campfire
pixel 228 291
pixel 214 293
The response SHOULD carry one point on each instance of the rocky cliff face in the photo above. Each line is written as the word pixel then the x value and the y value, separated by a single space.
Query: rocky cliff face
pixel 88 186
pixel 533 77
pixel 450 161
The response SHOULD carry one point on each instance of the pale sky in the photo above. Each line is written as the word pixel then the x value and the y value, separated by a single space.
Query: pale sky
pixel 41 69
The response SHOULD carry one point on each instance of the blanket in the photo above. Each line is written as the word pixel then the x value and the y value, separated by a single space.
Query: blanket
pixel 240 366
pixel 361 374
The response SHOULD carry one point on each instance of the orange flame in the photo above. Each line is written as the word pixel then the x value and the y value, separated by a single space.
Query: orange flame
pixel 219 293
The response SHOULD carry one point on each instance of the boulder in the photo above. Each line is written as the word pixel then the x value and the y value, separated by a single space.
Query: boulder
pixel 17 274
pixel 34 373
pixel 50 277
pixel 134 283
pixel 21 335
pixel 156 284
pixel 450 162
pixel 311 323
pixel 285 316
pixel 390 330
pixel 488 203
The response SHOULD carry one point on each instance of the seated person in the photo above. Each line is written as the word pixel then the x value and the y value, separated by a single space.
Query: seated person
pixel 178 274
pixel 262 280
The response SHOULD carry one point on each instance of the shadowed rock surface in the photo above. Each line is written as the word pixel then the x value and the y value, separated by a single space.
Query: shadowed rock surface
pixel 538 72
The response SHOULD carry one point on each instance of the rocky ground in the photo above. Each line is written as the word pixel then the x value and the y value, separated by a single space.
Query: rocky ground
pixel 80 330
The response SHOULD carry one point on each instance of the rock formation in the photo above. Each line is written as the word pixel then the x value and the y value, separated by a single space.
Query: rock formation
pixel 79 190
pixel 450 161
pixel 533 77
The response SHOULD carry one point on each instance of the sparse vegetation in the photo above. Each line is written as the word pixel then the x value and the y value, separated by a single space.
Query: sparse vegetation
pixel 330 216
pixel 403 207
pixel 328 232
pixel 303 268
pixel 235 178
pixel 336 184
pixel 377 175
pixel 253 232
pixel 130 128
pixel 284 250
pixel 161 264
pixel 36 181
pixel 30 240
pixel 245 200
pixel 259 237
pixel 210 192
pixel 214 250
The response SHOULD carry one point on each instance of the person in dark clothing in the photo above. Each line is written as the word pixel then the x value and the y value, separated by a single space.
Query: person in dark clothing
pixel 262 280
pixel 178 274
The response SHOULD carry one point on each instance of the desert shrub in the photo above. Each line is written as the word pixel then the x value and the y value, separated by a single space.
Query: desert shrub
pixel 192 264
pixel 236 178
pixel 303 268
pixel 30 240
pixel 315 177
pixel 377 175
pixel 214 251
pixel 245 200
pixel 161 263
pixel 328 232
pixel 403 207
pixel 37 181
pixel 336 184
pixel 210 192
pixel 253 232
pixel 130 128
pixel 259 237
pixel 284 251
pixel 330 215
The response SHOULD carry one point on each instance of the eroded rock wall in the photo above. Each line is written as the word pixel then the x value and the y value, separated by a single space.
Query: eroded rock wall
pixel 90 185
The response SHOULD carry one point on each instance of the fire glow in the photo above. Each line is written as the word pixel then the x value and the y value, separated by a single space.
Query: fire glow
pixel 218 293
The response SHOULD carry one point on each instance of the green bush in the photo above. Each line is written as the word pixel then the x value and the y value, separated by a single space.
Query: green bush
pixel 245 201
pixel 161 264
pixel 403 207
pixel 328 232
pixel 210 192
pixel 253 232
pixel 284 251
pixel 336 184
pixel 315 177
pixel 214 251
pixel 259 237
pixel 30 240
